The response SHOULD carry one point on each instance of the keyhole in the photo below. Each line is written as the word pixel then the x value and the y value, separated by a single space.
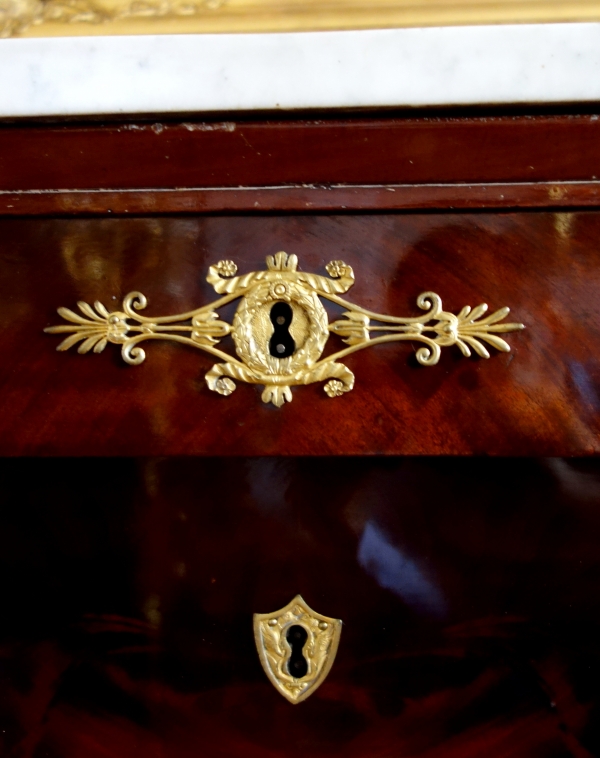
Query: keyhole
pixel 297 664
pixel 281 344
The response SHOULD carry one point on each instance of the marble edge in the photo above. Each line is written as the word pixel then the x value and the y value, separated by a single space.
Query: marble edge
pixel 416 67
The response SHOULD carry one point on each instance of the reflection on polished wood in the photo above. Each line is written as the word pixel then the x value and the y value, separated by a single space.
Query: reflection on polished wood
pixel 541 398
pixel 468 590
pixel 201 166
pixel 58 18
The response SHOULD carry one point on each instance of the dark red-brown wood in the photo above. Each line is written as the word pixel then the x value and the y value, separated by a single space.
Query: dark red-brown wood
pixel 555 195
pixel 541 399
pixel 468 591
pixel 468 588
pixel 355 151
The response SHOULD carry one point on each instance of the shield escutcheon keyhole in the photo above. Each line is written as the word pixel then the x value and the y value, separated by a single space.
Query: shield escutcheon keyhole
pixel 281 344
pixel 297 664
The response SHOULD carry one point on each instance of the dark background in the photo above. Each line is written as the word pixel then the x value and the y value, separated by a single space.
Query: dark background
pixel 469 591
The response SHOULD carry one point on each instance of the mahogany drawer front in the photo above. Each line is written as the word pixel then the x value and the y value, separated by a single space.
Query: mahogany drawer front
pixel 467 590
pixel 542 398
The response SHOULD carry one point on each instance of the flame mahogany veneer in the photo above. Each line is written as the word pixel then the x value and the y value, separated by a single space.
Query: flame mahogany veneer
pixel 541 399
pixel 469 587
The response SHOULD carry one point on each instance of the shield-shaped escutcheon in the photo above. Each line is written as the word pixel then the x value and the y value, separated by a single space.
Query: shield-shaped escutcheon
pixel 297 647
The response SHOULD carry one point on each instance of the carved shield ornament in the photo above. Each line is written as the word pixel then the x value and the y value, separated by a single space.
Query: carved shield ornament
pixel 297 647
pixel 281 327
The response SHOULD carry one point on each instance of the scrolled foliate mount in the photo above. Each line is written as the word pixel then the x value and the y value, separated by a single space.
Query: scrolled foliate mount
pixel 280 328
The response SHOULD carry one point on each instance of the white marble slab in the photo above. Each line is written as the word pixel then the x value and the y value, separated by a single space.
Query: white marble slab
pixel 540 63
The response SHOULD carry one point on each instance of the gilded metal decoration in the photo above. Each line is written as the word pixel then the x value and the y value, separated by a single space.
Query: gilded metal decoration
pixel 297 647
pixel 49 18
pixel 280 328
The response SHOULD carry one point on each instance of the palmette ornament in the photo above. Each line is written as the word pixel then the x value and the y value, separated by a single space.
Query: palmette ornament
pixel 281 327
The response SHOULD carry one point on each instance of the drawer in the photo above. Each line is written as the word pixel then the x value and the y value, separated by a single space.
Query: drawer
pixel 494 209
pixel 541 398
pixel 169 551
pixel 467 591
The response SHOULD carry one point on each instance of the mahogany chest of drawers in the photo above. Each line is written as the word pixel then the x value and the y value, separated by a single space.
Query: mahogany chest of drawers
pixel 440 497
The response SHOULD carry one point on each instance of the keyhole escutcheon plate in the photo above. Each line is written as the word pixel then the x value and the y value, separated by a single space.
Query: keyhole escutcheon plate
pixel 284 650
pixel 281 327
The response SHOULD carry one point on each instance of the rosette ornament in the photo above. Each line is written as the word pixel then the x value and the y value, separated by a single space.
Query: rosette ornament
pixel 282 300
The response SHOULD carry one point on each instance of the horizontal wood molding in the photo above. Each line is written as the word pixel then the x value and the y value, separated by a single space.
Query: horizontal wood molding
pixel 85 17
pixel 200 155
pixel 303 199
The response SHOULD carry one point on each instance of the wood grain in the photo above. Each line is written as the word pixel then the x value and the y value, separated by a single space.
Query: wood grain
pixel 556 195
pixel 468 590
pixel 541 399
pixel 364 151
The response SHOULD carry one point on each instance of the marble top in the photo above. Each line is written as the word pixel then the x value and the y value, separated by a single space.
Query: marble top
pixel 529 63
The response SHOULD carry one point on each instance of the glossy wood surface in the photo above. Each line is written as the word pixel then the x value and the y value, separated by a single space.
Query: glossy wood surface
pixel 199 153
pixel 540 399
pixel 468 591
pixel 335 197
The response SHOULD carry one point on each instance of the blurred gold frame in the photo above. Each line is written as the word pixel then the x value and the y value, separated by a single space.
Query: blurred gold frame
pixel 38 18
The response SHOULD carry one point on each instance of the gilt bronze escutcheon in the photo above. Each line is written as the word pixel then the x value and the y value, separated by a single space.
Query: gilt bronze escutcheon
pixel 297 647
pixel 281 327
